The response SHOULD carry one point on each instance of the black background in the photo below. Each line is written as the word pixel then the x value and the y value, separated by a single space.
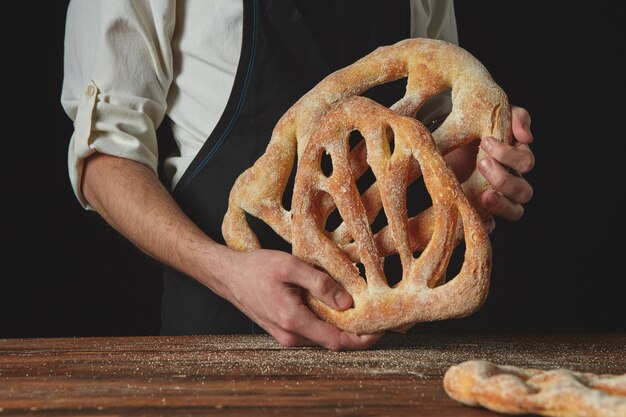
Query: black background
pixel 559 269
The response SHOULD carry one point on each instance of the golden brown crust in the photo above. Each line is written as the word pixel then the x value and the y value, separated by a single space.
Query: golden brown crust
pixel 555 393
pixel 376 305
pixel 321 121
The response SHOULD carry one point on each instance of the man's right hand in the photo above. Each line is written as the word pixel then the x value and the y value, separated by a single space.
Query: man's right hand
pixel 267 286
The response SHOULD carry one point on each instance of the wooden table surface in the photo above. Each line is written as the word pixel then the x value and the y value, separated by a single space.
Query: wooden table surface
pixel 252 375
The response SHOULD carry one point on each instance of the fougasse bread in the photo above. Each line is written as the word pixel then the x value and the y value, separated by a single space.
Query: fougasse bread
pixel 398 149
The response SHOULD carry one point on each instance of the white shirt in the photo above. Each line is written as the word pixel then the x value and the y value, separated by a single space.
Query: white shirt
pixel 128 63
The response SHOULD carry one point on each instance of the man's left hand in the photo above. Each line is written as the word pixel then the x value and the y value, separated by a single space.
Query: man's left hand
pixel 503 168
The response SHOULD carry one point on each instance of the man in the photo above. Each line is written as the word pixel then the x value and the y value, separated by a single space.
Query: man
pixel 224 72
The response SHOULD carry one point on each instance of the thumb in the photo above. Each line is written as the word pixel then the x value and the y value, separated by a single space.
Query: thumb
pixel 322 287
pixel 521 125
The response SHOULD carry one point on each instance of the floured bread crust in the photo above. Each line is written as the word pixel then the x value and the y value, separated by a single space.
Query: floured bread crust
pixel 398 149
pixel 555 393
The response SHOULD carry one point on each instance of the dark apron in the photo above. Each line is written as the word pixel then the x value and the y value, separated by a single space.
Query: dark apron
pixel 288 47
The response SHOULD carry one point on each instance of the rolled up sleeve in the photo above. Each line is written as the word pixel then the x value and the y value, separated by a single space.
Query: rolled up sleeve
pixel 117 72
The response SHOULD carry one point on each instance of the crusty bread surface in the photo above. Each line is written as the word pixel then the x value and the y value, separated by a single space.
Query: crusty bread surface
pixel 398 150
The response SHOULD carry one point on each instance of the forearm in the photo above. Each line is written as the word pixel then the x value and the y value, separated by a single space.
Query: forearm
pixel 131 199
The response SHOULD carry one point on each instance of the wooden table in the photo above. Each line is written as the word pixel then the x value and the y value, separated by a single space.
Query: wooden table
pixel 252 375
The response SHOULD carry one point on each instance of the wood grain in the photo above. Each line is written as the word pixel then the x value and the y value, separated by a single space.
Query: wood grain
pixel 252 375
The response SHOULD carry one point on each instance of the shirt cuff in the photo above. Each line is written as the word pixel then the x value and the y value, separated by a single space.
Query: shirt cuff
pixel 113 125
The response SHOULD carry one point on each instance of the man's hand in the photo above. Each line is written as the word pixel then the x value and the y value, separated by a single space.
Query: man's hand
pixel 264 284
pixel 267 286
pixel 503 168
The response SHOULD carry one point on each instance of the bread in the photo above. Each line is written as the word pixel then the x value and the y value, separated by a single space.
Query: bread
pixel 398 149
pixel 555 393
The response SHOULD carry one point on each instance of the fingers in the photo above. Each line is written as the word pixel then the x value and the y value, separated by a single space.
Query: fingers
pixel 321 285
pixel 296 324
pixel 512 186
pixel 520 124
pixel 346 341
pixel 304 329
pixel 276 304
pixel 501 206
pixel 503 168
pixel 518 157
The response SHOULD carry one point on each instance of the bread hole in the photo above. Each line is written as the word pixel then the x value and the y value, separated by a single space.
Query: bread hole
pixel 379 222
pixel 333 221
pixel 431 108
pixel 366 180
pixel 361 268
pixel 358 153
pixel 268 238
pixel 326 164
pixel 393 269
pixel 455 264
pixel 388 93
pixel 354 139
pixel 288 192
pixel 468 152
pixel 390 138
pixel 417 197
